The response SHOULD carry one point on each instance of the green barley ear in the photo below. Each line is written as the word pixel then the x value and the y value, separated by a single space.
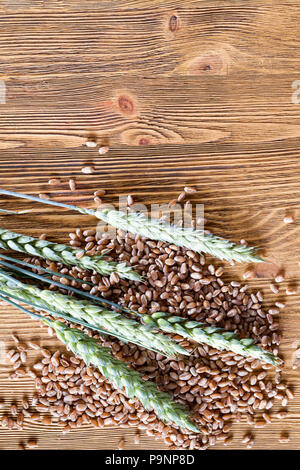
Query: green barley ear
pixel 63 254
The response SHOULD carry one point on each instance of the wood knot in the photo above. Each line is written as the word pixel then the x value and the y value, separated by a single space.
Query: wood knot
pixel 144 141
pixel 126 105
pixel 210 63
pixel 173 23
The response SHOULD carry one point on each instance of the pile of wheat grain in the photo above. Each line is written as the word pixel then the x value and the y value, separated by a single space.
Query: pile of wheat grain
pixel 218 387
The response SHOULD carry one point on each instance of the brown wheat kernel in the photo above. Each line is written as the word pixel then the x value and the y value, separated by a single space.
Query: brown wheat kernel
pixel 228 440
pixel 267 417
pixel 80 254
pixel 284 438
pixel 281 414
pixel 14 357
pixel 190 190
pixel 216 384
pixel 10 423
pixel 25 404
pixel 54 181
pixel 88 170
pixel 14 410
pixel 23 357
pixel 98 201
pixel 246 438
pixel 250 444
pixel 121 444
pixel 15 339
pixel 100 193
pixel 274 289
pixel 46 420
pixel 45 353
pixel 260 424
pixel 4 421
pixel 72 184
pixel 290 291
pixel 181 196
pixel 31 443
pixel 17 364
pixel 129 200
pixel 288 219
pixel 103 150
pixel 35 416
pixel 33 345
pixel 172 203
pixel 67 428
pixel 91 144
pixel 248 274
pixel 289 394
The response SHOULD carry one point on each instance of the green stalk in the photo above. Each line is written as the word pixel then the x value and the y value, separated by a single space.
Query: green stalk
pixel 211 335
pixel 63 254
pixel 45 270
pixel 118 373
pixel 156 230
pixel 8 212
pixel 97 299
pixel 112 322
pixel 43 278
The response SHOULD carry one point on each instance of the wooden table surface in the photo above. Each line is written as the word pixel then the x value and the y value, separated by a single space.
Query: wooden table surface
pixel 195 93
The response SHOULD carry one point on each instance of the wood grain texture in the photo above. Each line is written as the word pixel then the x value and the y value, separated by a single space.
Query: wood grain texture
pixel 185 93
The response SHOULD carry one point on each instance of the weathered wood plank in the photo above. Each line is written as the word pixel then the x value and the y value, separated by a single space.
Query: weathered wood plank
pixel 198 39
pixel 141 111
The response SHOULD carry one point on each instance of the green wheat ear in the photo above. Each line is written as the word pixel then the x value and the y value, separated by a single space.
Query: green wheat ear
pixel 189 238
pixel 211 335
pixel 124 378
pixel 157 230
pixel 63 254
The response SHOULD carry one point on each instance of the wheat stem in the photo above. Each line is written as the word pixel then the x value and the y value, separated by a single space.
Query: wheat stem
pixel 99 300
pixel 82 210
pixel 45 270
pixel 112 322
pixel 8 212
